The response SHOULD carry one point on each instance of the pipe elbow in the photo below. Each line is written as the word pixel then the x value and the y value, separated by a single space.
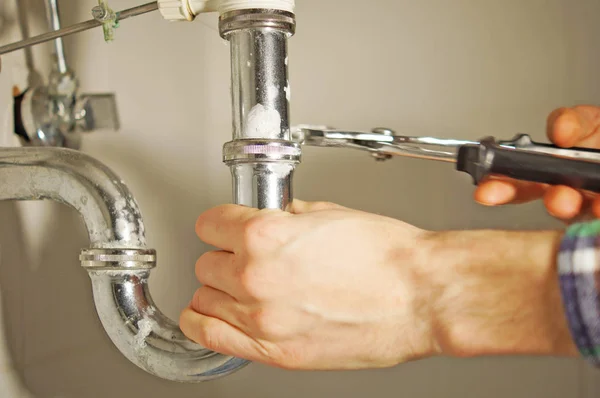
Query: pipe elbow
pixel 118 262
pixel 109 210
pixel 136 326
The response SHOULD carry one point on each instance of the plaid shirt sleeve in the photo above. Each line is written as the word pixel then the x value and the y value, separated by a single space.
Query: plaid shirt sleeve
pixel 579 273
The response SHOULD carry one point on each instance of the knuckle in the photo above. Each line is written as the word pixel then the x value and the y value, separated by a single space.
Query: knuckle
pixel 260 225
pixel 252 282
pixel 266 322
pixel 262 231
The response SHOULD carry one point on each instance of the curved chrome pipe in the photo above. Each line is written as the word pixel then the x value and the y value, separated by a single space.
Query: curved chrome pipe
pixel 146 336
pixel 118 263
pixel 109 211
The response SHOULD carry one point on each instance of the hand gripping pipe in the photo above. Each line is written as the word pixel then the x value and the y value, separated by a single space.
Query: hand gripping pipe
pixel 262 159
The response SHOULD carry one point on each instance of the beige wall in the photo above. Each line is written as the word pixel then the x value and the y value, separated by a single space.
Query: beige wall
pixel 461 68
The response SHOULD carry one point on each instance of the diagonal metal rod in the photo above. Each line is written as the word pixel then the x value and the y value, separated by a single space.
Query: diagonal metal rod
pixel 80 27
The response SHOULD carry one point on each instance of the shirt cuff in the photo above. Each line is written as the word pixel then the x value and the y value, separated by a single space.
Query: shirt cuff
pixel 579 273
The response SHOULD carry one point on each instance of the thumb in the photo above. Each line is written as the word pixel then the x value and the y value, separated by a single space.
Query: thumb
pixel 577 126
pixel 299 207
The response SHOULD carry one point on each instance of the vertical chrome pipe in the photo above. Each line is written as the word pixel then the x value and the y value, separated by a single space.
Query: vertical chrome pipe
pixel 261 156
pixel 54 20
pixel 259 83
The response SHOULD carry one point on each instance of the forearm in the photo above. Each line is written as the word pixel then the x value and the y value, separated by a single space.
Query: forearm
pixel 498 293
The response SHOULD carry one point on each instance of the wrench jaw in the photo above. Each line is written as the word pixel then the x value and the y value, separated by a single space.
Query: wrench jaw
pixel 310 135
pixel 381 143
pixel 328 137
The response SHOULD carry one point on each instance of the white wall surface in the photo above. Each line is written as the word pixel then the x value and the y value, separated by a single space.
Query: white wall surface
pixel 460 69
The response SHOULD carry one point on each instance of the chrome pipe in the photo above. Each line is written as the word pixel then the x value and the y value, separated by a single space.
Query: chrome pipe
pixel 259 81
pixel 118 262
pixel 59 48
pixel 262 156
pixel 136 326
pixel 263 185
pixel 110 212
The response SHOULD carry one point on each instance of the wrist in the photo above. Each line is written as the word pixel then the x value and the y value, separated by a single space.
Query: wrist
pixel 497 293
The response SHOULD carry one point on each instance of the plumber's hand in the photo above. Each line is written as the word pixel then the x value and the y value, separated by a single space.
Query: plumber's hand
pixel 566 127
pixel 320 287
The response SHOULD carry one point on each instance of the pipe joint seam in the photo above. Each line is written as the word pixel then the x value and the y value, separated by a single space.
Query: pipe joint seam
pixel 118 259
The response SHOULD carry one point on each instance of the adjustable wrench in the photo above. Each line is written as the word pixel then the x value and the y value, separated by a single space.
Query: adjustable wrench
pixel 520 157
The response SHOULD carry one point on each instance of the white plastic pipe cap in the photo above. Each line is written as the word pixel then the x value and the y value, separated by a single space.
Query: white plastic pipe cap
pixel 187 10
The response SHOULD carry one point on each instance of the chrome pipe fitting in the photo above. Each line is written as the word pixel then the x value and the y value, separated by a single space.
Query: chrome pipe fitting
pixel 257 18
pixel 56 115
pixel 118 262
pixel 262 156
pixel 137 327
pixel 262 171
pixel 118 259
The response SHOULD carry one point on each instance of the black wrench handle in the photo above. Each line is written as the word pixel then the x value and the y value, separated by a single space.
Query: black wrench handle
pixel 490 158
